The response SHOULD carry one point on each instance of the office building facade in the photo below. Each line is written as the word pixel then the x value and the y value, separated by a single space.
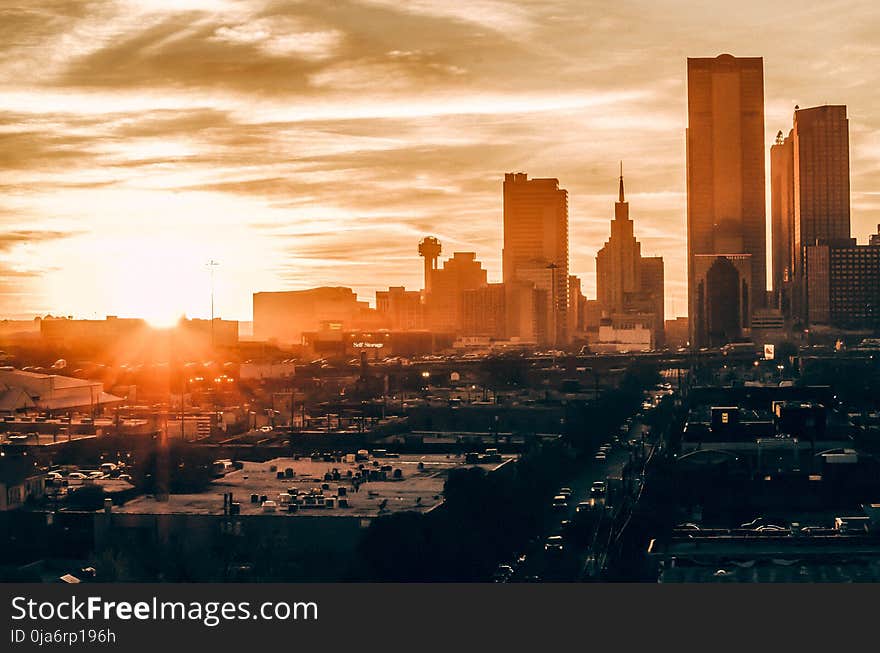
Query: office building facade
pixel 726 215
pixel 536 244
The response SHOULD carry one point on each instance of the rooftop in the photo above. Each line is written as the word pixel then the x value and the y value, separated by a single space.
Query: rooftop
pixel 417 489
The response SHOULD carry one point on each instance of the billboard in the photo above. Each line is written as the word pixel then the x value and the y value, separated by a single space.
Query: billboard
pixel 769 352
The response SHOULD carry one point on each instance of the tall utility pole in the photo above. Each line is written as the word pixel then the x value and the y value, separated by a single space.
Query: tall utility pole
pixel 211 265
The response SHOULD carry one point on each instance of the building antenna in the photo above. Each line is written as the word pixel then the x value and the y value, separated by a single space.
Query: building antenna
pixel 211 265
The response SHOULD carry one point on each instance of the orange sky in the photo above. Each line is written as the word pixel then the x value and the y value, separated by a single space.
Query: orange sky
pixel 314 143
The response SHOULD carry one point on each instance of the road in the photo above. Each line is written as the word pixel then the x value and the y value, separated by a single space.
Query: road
pixel 577 543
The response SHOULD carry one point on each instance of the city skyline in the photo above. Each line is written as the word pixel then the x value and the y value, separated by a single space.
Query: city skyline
pixel 330 162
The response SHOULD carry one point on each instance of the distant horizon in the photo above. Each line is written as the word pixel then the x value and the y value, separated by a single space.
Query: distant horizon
pixel 305 145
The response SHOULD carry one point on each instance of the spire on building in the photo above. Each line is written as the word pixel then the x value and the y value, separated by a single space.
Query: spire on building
pixel 621 208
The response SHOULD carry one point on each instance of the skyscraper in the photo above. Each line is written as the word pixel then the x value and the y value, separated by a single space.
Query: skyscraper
pixel 821 176
pixel 782 218
pixel 627 284
pixel 725 196
pixel 536 243
pixel 809 193
pixel 821 190
pixel 618 269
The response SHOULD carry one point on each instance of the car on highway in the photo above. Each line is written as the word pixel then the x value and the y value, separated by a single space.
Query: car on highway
pixel 567 491
pixel 585 506
pixel 554 544
pixel 597 489
pixel 560 501
pixel 76 476
pixel 600 457
pixel 757 521
pixel 771 528
pixel 502 574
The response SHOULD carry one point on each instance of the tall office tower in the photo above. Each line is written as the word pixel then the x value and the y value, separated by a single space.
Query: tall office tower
pixel 821 175
pixel 782 219
pixel 536 244
pixel 618 269
pixel 725 196
pixel 628 285
pixel 821 188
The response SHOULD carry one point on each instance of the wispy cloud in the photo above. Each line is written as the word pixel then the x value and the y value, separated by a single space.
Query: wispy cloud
pixel 302 142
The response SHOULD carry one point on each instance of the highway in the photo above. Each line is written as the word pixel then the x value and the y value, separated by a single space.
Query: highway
pixel 582 537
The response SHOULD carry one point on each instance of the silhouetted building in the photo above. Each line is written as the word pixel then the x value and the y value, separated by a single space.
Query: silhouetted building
pixel 91 335
pixel 444 302
pixel 402 309
pixel 526 312
pixel 821 175
pixel 484 312
pixel 782 219
pixel 844 286
pixel 429 249
pixel 284 316
pixel 576 302
pixel 725 195
pixel 721 304
pixel 626 282
pixel 618 263
pixel 677 332
pixel 625 332
pixel 812 164
pixel 536 243
pixel 204 334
